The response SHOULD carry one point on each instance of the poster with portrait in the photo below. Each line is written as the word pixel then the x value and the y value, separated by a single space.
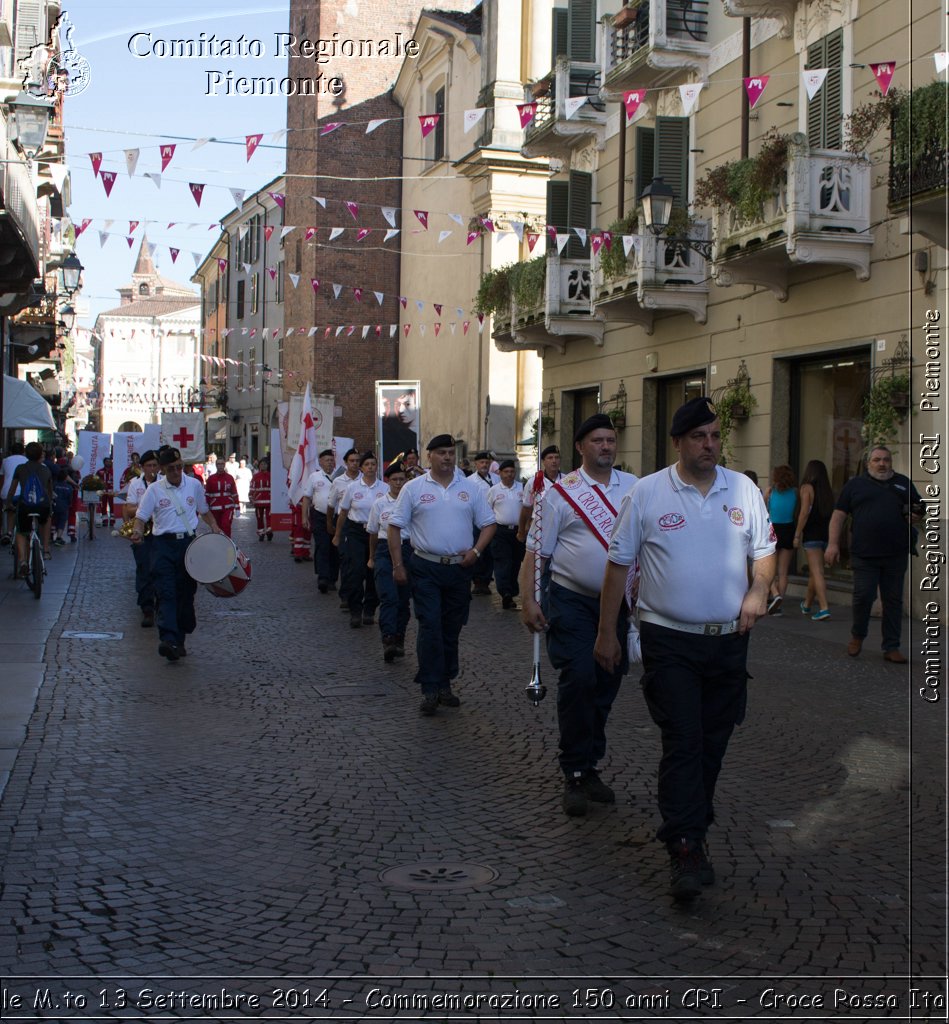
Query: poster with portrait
pixel 398 411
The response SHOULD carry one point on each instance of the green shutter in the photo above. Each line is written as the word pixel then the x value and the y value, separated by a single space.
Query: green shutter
pixel 645 158
pixel 672 156
pixel 580 202
pixel 825 110
pixel 581 30
pixel 559 35
pixel 558 208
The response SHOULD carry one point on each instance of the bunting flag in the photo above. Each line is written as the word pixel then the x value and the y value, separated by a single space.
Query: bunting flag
pixel 197 191
pixel 883 73
pixel 108 180
pixel 379 297
pixel 518 228
pixel 406 328
pixel 279 198
pixel 813 80
pixel 337 288
pixel 457 218
pixel 335 233
pixel 358 293
pixel 268 231
pixel 131 160
pixel 755 87
pixel 82 227
pixel 59 173
pixel 572 104
pixel 631 101
pixel 174 254
pixel 133 224
pixel 96 159
pixel 320 200
pixel 375 123
pixel 388 212
pixel 198 143
pixel 526 111
pixel 391 233
pixel 103 238
pixel 331 127
pixel 403 301
pixel 428 123
pixel 167 153
pixel 353 208
pixel 689 95
pixel 582 235
pixel 131 241
pixel 596 240
pixel 608 240
pixel 294 279
pixel 361 233
pixel 155 177
pixel 272 271
pixel 285 231
pixel 942 61
pixel 465 326
pixel 422 217
pixel 632 242
pixel 438 328
pixel 222 264
pixel 279 135
pixel 487 223
pixel 472 117
pixel 442 235
pixel 252 142
pixel 532 237
pixel 310 232
pixel 561 242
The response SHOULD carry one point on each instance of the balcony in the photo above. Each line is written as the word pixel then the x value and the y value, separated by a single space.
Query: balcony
pixel 660 278
pixel 918 164
pixel 558 312
pixel 657 43
pixel 552 133
pixel 818 215
pixel 781 10
pixel 19 222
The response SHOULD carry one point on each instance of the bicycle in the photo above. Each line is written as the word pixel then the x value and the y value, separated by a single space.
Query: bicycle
pixel 35 564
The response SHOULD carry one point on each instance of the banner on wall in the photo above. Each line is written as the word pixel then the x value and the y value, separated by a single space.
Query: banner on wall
pixel 93 447
pixel 185 431
pixel 279 495
pixel 398 405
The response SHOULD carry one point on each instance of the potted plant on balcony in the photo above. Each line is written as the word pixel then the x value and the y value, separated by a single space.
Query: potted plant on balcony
pixel 733 405
pixel 744 185
pixel 885 408
pixel 626 15
pixel 541 88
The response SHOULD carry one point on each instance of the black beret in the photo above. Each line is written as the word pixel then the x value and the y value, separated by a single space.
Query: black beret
pixel 366 456
pixel 412 451
pixel 507 464
pixel 598 421
pixel 482 455
pixel 695 413
pixel 551 449
pixel 327 451
pixel 168 455
pixel 148 456
pixel 394 467
pixel 440 441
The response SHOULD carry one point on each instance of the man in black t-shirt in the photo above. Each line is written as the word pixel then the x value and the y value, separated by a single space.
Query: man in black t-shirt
pixel 33 490
pixel 882 504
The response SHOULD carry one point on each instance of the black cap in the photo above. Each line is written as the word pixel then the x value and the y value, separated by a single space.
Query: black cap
pixel 440 441
pixel 412 451
pixel 598 421
pixel 148 456
pixel 168 455
pixel 551 449
pixel 394 467
pixel 507 464
pixel 482 455
pixel 695 413
pixel 327 451
pixel 365 457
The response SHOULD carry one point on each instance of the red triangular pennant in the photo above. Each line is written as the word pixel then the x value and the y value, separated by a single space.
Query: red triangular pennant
pixel 315 281
pixel 422 217
pixel 428 123
pixel 174 254
pixel 353 208
pixel 883 73
pixel 532 237
pixel 527 112
pixel 96 159
pixel 108 180
pixel 268 231
pixel 358 293
pixel 252 142
pixel 197 191
pixel 631 101
pixel 167 152
pixel 133 224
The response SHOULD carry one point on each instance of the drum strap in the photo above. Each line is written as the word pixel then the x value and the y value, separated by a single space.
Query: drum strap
pixel 172 493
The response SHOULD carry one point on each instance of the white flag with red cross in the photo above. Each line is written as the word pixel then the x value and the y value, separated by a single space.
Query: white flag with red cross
pixel 305 459
pixel 184 431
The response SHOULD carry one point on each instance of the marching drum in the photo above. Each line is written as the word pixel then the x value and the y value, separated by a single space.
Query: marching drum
pixel 218 563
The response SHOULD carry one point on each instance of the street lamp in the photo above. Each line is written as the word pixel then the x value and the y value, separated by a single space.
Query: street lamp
pixel 68 316
pixel 31 121
pixel 656 201
pixel 72 271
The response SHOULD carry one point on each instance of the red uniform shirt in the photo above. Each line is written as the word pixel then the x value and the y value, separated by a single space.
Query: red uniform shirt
pixel 221 492
pixel 260 488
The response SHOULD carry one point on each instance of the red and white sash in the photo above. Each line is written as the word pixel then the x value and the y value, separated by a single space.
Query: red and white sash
pixel 591 505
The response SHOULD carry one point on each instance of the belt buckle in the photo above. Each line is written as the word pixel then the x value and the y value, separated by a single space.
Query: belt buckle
pixel 445 559
pixel 713 629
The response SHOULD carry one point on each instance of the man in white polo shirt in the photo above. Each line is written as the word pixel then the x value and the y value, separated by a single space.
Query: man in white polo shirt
pixel 693 527
pixel 507 550
pixel 173 503
pixel 316 492
pixel 574 533
pixel 443 510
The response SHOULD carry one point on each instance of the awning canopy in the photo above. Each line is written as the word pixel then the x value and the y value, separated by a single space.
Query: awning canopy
pixel 24 408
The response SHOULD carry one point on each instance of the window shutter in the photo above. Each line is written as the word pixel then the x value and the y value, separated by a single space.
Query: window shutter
pixel 559 35
pixel 30 27
pixel 825 110
pixel 672 156
pixel 580 203
pixel 558 209
pixel 645 158
pixel 581 30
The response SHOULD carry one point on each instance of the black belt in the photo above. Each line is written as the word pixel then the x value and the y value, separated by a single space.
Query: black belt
pixel 176 536
pixel 502 526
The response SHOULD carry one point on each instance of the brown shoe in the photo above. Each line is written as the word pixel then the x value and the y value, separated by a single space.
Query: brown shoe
pixel 896 657
pixel 853 648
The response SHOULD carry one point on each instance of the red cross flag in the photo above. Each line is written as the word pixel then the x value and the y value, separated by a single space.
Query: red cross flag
pixel 305 459
pixel 184 430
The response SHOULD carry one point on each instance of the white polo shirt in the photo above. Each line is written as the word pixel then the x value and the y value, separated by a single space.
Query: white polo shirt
pixel 480 481
pixel 136 490
pixel 337 489
pixel 505 503
pixel 528 496
pixel 693 549
pixel 575 553
pixel 157 504
pixel 379 517
pixel 317 489
pixel 359 497
pixel 442 519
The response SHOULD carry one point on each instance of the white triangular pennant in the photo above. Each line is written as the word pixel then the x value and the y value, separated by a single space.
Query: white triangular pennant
pixel 335 233
pixel 379 296
pixel 320 200
pixel 689 95
pixel 457 218
pixel 517 226
pixel 572 104
pixel 561 242
pixel 365 332
pixel 582 235
pixel 103 238
pixel 242 230
pixel 198 143
pixel 442 235
pixel 472 117
pixel 58 173
pixel 294 279
pixel 131 160
pixel 375 123
pixel 237 194
pixel 286 231
pixel 813 80
pixel 156 177
pixel 942 61
pixel 337 288
pixel 389 213
pixel 391 233
pixel 247 268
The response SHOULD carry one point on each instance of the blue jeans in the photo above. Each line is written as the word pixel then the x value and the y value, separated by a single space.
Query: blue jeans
pixel 696 689
pixel 144 578
pixel 585 691
pixel 393 599
pixel 868 575
pixel 174 588
pixel 442 595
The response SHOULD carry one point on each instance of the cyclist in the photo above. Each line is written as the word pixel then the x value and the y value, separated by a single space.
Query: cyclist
pixel 33 484
pixel 10 463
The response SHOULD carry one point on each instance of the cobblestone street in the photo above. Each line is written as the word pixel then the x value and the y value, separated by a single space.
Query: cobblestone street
pixel 275 806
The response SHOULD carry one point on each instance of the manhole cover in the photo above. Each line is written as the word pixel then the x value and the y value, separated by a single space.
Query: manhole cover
pixel 438 876
pixel 77 634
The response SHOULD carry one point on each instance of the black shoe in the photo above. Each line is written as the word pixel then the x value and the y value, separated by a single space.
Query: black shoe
pixel 429 704
pixel 706 871
pixel 148 618
pixel 355 621
pixel 322 588
pixel 597 790
pixel 509 604
pixel 182 653
pixel 447 698
pixel 169 651
pixel 270 535
pixel 297 559
pixel 260 538
pixel 400 645
pixel 685 867
pixel 388 649
pixel 481 590
pixel 574 796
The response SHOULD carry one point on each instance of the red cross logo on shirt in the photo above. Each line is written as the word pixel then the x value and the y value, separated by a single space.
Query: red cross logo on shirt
pixel 182 437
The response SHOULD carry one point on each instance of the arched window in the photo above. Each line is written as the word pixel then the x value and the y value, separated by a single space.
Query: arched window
pixel 143 289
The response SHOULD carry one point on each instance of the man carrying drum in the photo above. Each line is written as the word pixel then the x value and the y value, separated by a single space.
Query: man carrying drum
pixel 173 504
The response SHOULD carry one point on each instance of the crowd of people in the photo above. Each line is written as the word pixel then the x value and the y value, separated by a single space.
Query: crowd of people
pixel 672 571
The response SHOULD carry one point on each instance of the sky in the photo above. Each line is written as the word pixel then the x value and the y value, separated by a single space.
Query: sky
pixel 144 102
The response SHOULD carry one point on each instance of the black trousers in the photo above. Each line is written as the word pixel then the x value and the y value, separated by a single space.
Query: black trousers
pixel 508 553
pixel 358 579
pixel 696 690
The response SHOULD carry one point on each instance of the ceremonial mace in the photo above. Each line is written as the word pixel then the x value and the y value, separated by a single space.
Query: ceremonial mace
pixel 535 689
